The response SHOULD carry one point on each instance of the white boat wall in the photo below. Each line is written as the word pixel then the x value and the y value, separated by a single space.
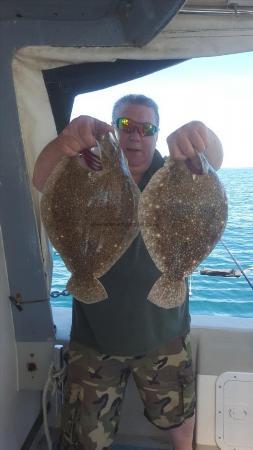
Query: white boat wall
pixel 34 38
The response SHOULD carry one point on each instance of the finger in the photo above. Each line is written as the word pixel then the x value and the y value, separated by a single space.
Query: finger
pixel 81 129
pixel 175 151
pixel 101 128
pixel 185 146
pixel 189 139
pixel 82 132
pixel 201 129
pixel 198 141
pixel 89 129
pixel 85 134
pixel 69 145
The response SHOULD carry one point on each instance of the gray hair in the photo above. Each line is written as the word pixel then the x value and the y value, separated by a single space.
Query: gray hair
pixel 135 99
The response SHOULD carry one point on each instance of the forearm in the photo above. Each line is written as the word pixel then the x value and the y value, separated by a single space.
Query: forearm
pixel 50 156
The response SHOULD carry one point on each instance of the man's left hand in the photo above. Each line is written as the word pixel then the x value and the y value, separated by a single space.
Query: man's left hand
pixel 187 140
pixel 193 138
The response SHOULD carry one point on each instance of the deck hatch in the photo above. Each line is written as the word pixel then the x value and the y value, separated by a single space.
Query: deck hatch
pixel 234 411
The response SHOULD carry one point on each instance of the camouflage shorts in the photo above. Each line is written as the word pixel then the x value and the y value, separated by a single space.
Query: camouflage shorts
pixel 95 388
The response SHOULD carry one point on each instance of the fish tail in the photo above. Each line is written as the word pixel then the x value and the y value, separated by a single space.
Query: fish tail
pixel 166 293
pixel 87 290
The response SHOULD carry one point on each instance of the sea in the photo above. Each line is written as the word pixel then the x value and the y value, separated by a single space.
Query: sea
pixel 210 295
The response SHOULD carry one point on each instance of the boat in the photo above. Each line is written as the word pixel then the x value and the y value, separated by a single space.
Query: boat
pixel 50 52
pixel 220 272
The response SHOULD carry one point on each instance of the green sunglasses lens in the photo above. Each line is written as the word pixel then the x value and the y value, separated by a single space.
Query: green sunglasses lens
pixel 122 122
pixel 149 129
pixel 129 126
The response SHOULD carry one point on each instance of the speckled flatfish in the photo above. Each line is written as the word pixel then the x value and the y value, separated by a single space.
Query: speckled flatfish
pixel 181 216
pixel 91 218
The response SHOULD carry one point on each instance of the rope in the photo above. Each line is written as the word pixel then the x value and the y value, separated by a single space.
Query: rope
pixel 52 383
pixel 237 263
pixel 190 285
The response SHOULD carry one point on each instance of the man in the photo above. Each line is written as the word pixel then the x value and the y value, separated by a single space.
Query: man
pixel 127 334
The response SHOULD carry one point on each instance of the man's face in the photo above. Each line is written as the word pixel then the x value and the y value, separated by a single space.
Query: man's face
pixel 138 149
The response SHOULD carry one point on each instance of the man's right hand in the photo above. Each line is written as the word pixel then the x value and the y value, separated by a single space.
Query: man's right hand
pixel 78 137
pixel 80 134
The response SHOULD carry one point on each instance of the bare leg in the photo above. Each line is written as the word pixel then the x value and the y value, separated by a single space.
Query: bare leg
pixel 181 437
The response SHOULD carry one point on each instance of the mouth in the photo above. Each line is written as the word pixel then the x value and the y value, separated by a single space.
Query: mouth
pixel 133 150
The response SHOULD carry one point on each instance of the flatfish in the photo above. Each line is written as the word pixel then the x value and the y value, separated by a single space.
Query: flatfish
pixel 91 218
pixel 182 216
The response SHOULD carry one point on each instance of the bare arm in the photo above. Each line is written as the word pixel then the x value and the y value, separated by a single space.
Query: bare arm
pixel 80 134
pixel 50 156
pixel 195 137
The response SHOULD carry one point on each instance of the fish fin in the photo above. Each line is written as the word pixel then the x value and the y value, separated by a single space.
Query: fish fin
pixel 166 293
pixel 87 290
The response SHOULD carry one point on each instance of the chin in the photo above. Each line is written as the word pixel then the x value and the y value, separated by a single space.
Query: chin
pixel 138 168
pixel 136 159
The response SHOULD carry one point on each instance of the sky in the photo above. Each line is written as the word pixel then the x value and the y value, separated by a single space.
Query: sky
pixel 217 91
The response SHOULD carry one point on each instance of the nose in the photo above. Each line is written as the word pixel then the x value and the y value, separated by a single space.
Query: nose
pixel 135 134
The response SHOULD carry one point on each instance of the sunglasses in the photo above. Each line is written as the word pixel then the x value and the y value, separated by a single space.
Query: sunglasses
pixel 129 126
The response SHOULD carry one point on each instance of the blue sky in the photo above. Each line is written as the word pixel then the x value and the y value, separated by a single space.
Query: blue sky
pixel 217 91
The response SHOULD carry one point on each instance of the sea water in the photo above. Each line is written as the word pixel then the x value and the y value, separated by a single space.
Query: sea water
pixel 213 295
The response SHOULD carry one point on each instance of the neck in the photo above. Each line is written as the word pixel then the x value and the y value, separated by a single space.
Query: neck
pixel 137 177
